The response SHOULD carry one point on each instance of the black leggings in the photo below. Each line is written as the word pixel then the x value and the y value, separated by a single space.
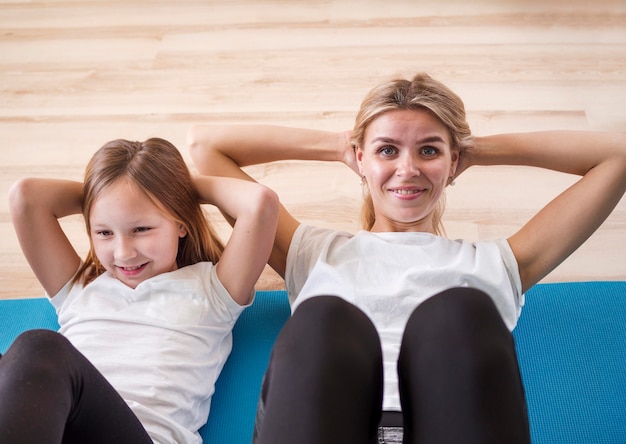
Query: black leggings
pixel 50 393
pixel 459 379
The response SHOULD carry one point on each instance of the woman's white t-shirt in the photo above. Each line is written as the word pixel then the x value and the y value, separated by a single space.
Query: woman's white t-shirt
pixel 387 275
pixel 161 345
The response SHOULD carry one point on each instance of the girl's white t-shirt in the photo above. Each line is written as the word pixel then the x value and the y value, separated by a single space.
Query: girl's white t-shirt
pixel 387 275
pixel 161 345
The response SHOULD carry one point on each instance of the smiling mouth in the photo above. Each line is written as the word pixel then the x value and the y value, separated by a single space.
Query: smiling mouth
pixel 406 191
pixel 132 270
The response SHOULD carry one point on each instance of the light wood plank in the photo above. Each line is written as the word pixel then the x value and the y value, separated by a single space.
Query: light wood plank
pixel 76 74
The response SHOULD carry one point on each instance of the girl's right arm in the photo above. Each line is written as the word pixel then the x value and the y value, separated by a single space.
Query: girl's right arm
pixel 36 206
pixel 224 150
pixel 254 210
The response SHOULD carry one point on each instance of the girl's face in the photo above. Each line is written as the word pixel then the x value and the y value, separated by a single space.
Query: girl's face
pixel 133 239
pixel 406 161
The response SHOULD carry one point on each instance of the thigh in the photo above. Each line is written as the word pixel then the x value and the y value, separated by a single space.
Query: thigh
pixel 458 373
pixel 49 392
pixel 100 415
pixel 324 380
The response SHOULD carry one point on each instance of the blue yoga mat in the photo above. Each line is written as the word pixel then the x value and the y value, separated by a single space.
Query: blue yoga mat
pixel 571 344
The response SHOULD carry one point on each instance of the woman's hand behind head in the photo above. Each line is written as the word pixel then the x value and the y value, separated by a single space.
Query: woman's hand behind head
pixel 466 156
pixel 348 152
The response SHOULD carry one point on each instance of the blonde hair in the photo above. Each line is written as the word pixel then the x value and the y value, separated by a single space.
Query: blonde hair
pixel 157 168
pixel 422 92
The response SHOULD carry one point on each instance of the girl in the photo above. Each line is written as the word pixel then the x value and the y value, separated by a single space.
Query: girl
pixel 146 318
pixel 446 371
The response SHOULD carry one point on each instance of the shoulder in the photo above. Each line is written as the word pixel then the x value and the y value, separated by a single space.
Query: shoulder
pixel 73 298
pixel 309 241
pixel 490 255
pixel 199 270
pixel 497 250
pixel 65 294
pixel 202 277
pixel 305 231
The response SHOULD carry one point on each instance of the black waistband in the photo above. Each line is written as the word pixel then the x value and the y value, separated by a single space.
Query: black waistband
pixel 391 419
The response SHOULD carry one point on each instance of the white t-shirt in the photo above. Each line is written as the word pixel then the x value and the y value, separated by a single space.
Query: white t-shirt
pixel 387 275
pixel 161 345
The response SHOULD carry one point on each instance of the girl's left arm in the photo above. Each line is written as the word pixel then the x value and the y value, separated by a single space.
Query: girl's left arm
pixel 254 208
pixel 566 222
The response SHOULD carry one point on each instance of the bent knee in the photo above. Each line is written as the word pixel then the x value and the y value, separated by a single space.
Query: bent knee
pixel 40 355
pixel 331 326
pixel 455 307
pixel 462 324
pixel 39 343
pixel 332 316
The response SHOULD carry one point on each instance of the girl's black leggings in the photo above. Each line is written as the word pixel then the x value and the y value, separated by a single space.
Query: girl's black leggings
pixel 458 375
pixel 50 393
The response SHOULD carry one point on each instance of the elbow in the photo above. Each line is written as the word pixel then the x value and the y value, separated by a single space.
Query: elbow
pixel 269 204
pixel 617 163
pixel 20 196
pixel 263 207
pixel 195 144
pixel 193 137
pixel 201 143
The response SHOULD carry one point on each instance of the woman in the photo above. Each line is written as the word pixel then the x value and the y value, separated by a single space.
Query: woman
pixel 146 319
pixel 441 309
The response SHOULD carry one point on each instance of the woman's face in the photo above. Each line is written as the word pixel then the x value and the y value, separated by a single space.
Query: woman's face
pixel 406 161
pixel 132 238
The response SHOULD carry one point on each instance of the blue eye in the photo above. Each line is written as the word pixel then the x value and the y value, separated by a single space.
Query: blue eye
pixel 142 229
pixel 387 150
pixel 429 151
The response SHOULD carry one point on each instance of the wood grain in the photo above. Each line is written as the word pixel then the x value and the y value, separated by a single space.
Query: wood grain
pixel 76 74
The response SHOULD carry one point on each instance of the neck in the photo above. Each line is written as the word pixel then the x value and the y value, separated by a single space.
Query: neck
pixel 389 226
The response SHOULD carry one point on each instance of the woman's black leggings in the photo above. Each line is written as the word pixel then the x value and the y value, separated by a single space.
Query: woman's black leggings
pixel 458 375
pixel 50 393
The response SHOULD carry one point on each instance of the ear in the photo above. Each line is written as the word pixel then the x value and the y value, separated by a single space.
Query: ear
pixel 455 162
pixel 358 153
pixel 182 231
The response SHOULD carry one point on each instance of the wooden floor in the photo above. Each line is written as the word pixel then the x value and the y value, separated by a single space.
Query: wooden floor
pixel 77 73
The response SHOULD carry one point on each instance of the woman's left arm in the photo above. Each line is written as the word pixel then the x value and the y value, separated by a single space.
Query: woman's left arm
pixel 254 208
pixel 566 222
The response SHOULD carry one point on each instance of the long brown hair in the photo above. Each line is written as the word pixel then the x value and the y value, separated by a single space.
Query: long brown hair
pixel 422 92
pixel 158 169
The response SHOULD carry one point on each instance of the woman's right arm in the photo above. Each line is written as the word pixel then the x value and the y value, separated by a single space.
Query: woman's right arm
pixel 224 150
pixel 36 205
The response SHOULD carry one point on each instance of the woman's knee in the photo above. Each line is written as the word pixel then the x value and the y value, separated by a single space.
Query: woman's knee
pixel 328 353
pixel 329 327
pixel 461 309
pixel 461 323
pixel 330 317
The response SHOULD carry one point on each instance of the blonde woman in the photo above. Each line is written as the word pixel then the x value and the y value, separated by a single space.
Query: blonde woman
pixel 399 334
